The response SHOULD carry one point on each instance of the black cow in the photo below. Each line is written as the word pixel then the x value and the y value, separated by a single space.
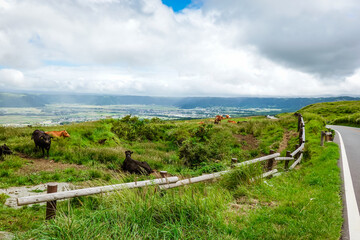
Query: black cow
pixel 134 166
pixel 5 150
pixel 42 140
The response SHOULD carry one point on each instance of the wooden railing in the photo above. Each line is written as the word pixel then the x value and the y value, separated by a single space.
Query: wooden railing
pixel 170 182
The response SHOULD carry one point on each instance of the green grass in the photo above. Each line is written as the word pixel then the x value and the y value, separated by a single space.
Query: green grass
pixel 19 220
pixel 180 147
pixel 301 204
pixel 341 113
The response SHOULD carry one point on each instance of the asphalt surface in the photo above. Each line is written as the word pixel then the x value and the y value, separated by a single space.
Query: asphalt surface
pixel 351 149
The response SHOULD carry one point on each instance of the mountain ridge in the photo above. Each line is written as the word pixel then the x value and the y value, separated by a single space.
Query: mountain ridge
pixel 40 100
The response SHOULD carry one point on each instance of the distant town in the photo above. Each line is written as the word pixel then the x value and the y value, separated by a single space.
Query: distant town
pixel 59 114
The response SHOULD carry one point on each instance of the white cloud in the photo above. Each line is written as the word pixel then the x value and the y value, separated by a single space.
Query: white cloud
pixel 11 78
pixel 141 47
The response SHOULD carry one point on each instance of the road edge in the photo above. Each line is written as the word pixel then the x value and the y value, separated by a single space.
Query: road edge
pixel 350 199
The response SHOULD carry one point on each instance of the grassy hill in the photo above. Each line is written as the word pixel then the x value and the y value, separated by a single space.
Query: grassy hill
pixel 341 113
pixel 304 203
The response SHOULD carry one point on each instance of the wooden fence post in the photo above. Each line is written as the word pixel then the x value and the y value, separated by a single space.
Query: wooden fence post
pixel 300 134
pixel 233 162
pixel 164 175
pixel 51 205
pixel 288 154
pixel 328 136
pixel 322 138
pixel 270 162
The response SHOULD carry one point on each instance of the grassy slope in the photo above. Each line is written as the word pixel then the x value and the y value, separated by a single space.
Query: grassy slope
pixel 163 144
pixel 303 204
pixel 341 113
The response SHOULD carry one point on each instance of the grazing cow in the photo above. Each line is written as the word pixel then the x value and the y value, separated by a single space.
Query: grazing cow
pixel 42 140
pixel 227 116
pixel 134 166
pixel 218 119
pixel 231 121
pixel 57 134
pixel 5 150
pixel 201 122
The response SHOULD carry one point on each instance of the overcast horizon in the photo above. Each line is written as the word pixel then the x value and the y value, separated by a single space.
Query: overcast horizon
pixel 202 48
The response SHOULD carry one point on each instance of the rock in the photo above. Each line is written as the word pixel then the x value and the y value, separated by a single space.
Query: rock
pixel 6 235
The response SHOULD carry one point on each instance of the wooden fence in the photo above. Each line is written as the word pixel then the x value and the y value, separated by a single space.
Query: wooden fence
pixel 170 182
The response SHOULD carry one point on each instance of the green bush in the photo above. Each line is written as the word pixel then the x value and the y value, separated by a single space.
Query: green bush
pixel 132 129
pixel 207 145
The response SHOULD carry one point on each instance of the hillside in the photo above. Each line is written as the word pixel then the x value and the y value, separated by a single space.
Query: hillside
pixel 341 113
pixel 297 203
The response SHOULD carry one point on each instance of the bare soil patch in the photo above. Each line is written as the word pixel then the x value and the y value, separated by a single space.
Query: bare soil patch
pixel 287 136
pixel 248 142
pixel 39 164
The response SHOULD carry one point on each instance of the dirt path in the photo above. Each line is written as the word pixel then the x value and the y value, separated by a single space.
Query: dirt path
pixel 41 164
pixel 287 136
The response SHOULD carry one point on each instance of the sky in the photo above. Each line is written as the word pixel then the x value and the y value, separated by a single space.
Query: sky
pixel 228 48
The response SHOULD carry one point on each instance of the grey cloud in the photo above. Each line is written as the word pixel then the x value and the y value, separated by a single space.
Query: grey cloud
pixel 318 37
pixel 229 48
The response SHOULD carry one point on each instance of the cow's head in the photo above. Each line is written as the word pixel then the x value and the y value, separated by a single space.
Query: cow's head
pixel 65 133
pixel 128 153
pixel 46 138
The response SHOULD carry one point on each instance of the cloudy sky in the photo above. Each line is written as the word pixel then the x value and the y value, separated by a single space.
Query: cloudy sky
pixel 181 47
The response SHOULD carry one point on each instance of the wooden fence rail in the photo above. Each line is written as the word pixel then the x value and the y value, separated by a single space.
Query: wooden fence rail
pixel 90 191
pixel 284 158
pixel 194 180
pixel 268 157
pixel 298 150
pixel 296 162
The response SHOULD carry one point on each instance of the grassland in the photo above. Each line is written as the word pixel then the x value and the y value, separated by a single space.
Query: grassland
pixel 303 204
pixel 341 113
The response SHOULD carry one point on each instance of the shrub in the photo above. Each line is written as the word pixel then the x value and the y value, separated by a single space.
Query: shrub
pixel 131 129
pixel 207 145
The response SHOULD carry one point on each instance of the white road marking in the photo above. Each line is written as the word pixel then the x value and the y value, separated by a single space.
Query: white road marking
pixel 351 204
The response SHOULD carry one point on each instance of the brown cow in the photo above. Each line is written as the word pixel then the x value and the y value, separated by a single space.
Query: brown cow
pixel 227 116
pixel 201 122
pixel 218 119
pixel 231 121
pixel 58 134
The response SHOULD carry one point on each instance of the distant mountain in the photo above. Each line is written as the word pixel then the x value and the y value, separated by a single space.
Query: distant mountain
pixel 20 100
pixel 39 100
pixel 287 104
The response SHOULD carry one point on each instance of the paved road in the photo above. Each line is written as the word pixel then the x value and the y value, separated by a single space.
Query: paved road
pixel 348 139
